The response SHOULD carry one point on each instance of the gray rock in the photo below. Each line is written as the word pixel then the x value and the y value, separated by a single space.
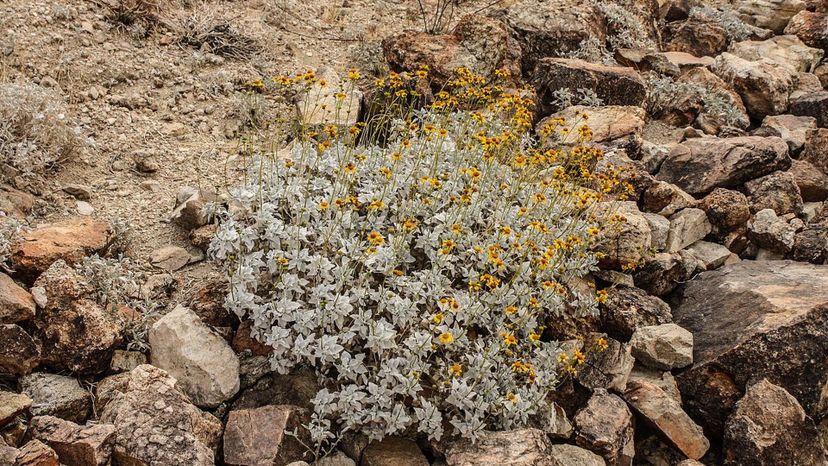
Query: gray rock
pixel 687 227
pixel 607 369
pixel 78 191
pixel 665 346
pixel 170 258
pixel 56 395
pixel 205 366
pixel 754 320
pixel 125 361
pixel 769 231
pixel 710 255
pixel 777 191
pixel 791 128
pixel 628 308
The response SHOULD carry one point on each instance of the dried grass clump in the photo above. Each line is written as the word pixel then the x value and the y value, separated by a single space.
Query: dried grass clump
pixel 34 133
pixel 204 29
pixel 136 16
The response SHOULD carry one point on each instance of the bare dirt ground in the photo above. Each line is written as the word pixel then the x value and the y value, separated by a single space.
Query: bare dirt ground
pixel 139 92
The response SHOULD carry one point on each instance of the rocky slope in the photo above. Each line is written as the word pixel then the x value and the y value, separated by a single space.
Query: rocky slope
pixel 717 315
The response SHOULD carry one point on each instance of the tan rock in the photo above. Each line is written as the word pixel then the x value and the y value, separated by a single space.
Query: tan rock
pixel 258 436
pixel 609 123
pixel 665 413
pixel 205 366
pixel 16 304
pixel 787 51
pixel 11 405
pixel 522 447
pixel 768 14
pixel 763 86
pixel 70 240
pixel 769 427
pixel 155 422
pixel 665 346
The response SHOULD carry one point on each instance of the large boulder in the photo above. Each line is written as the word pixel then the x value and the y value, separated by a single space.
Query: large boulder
pixel 16 304
pixel 791 128
pixel 205 366
pixel 70 240
pixel 786 51
pixel 726 209
pixel 550 28
pixel 753 320
pixel 77 333
pixel 699 165
pixel 605 426
pixel 76 445
pixel 769 427
pixel 155 422
pixel 764 86
pixel 478 43
pixel 614 85
pixel 261 436
pixel 698 35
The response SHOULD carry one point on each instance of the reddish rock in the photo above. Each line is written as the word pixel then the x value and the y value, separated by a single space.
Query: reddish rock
pixel 665 413
pixel 74 444
pixel 726 209
pixel 816 140
pixel 770 428
pixel 777 191
pixel 809 26
pixel 16 304
pixel 698 36
pixel 19 352
pixel 812 183
pixel 70 240
pixel 481 44
pixel 37 453
pixel 14 202
pixel 393 451
pixel 243 341
pixel 202 236
pixel 257 436
pixel 76 333
pixel 605 426
pixel 208 303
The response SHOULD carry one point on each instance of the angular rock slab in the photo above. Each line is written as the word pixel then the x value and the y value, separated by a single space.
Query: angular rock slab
pixel 700 165
pixel 258 436
pixel 665 413
pixel 70 240
pixel 155 422
pixel 16 304
pixel 768 428
pixel 205 366
pixel 19 353
pixel 74 444
pixel 752 320
pixel 12 404
pixel 393 451
pixel 56 395
pixel 605 426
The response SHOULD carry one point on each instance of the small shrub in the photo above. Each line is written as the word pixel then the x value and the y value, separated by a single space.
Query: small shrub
pixel 666 94
pixel 416 274
pixel 34 133
pixel 204 29
pixel 136 16
pixel 736 29
pixel 564 97
pixel 10 229
pixel 625 30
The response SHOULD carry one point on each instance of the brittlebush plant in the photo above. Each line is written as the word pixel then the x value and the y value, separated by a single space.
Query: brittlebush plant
pixel 416 271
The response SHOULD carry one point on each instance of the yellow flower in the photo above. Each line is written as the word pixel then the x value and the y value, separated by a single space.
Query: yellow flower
pixel 282 261
pixel 601 344
pixel 446 338
pixel 601 296
pixel 376 205
pixel 353 75
pixel 349 168
pixel 534 337
pixel 578 357
pixel 512 397
pixel 510 310
pixel 324 205
pixel 375 238
pixel 456 370
pixel 447 246
pixel 438 318
pixel 509 339
pixel 409 224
